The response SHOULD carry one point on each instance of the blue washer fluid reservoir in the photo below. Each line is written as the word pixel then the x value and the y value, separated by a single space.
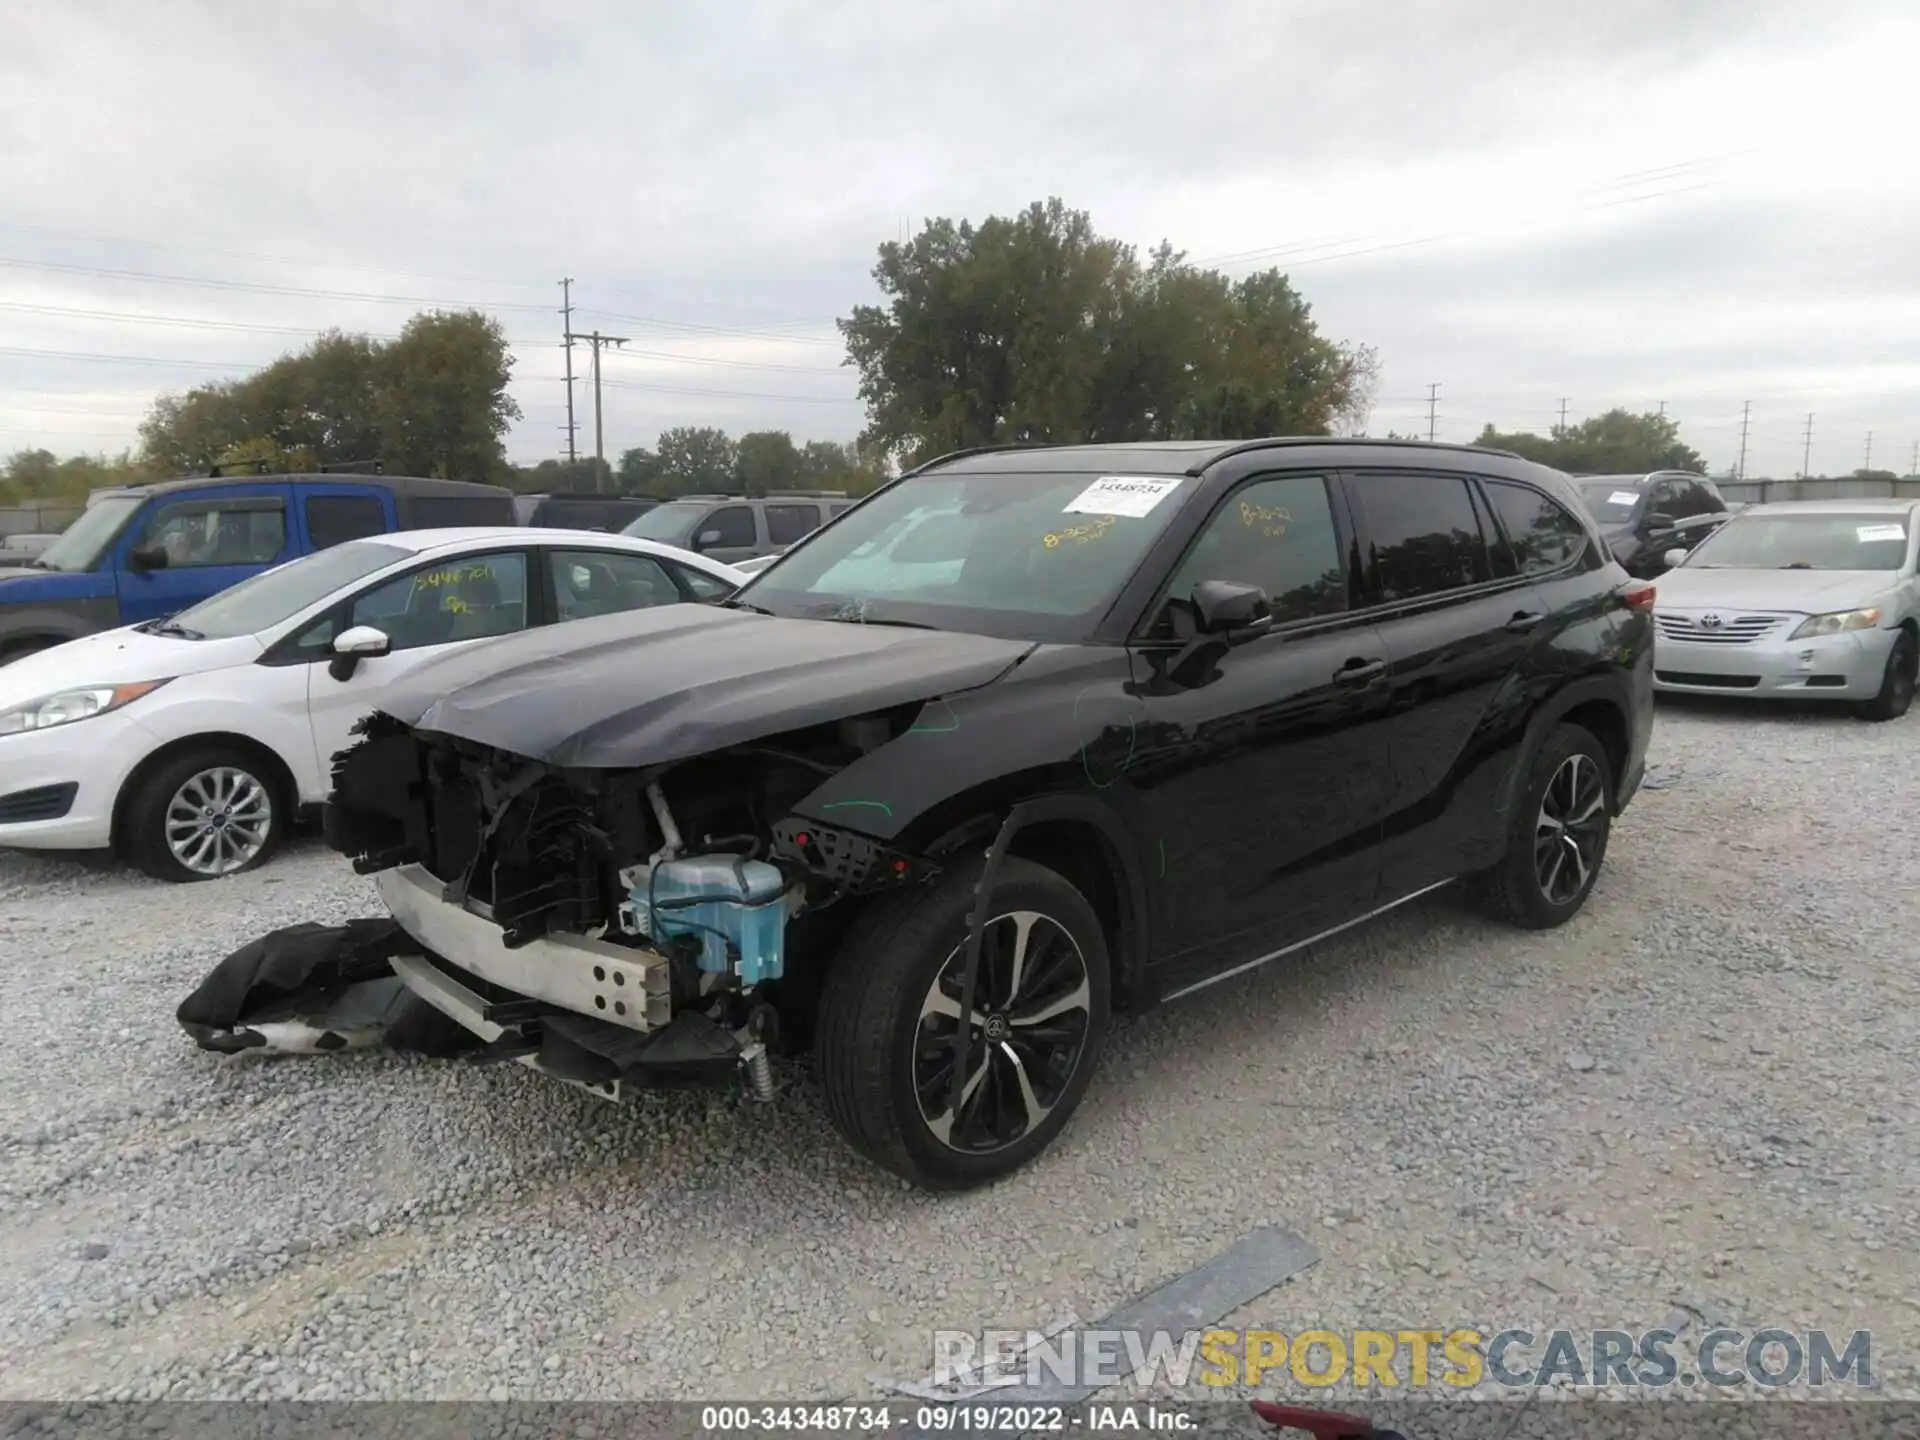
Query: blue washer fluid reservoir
pixel 717 899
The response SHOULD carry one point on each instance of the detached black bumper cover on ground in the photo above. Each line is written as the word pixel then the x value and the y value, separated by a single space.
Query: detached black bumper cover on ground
pixel 316 989
pixel 313 988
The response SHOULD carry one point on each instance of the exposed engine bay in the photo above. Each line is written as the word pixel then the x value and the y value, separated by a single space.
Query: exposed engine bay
pixel 617 928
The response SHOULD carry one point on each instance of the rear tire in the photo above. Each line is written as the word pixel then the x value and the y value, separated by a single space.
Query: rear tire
pixel 1556 836
pixel 174 828
pixel 890 1006
pixel 1896 685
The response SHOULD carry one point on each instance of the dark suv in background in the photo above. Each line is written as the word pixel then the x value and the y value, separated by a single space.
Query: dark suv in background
pixel 1028 736
pixel 584 510
pixel 1644 516
pixel 735 527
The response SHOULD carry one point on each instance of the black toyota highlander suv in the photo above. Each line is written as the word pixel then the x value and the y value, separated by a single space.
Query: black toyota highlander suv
pixel 1025 737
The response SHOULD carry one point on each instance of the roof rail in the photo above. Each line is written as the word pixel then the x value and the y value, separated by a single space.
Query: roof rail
pixel 805 495
pixel 1277 442
pixel 964 453
pixel 355 467
pixel 239 467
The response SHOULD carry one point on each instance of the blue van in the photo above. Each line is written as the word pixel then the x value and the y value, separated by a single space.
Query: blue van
pixel 145 551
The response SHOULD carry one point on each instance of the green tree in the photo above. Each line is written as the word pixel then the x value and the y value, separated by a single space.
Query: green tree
pixel 1036 329
pixel 694 459
pixel 30 476
pixel 1615 443
pixel 432 402
pixel 443 407
pixel 767 460
pixel 639 470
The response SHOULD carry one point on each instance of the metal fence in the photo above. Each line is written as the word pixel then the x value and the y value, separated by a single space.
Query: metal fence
pixel 1845 487
pixel 48 519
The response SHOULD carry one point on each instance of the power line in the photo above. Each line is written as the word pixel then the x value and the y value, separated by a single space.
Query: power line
pixel 257 288
pixel 699 329
pixel 304 262
pixel 733 394
pixel 141 318
pixel 126 359
pixel 678 357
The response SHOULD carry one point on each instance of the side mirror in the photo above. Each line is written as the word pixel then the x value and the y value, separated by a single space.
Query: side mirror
pixel 149 557
pixel 1228 608
pixel 706 539
pixel 1673 557
pixel 354 644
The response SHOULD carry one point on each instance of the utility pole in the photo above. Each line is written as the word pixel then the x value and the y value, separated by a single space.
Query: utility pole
pixel 566 329
pixel 1663 409
pixel 1806 452
pixel 598 342
pixel 1433 400
pixel 1746 409
pixel 1913 465
pixel 1563 414
pixel 1867 464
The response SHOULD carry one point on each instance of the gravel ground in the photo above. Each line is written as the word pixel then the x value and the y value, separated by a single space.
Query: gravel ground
pixel 1697 1099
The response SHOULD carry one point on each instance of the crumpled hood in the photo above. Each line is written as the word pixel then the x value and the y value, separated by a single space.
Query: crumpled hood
pixel 1810 592
pixel 651 686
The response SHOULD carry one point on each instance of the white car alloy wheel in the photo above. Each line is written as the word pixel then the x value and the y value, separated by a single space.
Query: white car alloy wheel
pixel 218 820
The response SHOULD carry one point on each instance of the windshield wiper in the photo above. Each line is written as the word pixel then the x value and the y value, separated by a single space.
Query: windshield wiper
pixel 875 620
pixel 733 604
pixel 174 628
pixel 1795 565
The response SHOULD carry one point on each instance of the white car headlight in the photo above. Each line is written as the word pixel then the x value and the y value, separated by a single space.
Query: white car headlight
pixel 82 702
pixel 1835 623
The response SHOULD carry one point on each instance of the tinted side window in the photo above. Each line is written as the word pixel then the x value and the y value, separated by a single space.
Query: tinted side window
pixel 455 600
pixel 1277 534
pixel 335 519
pixel 1706 501
pixel 600 582
pixel 243 531
pixel 705 587
pixel 1543 536
pixel 1425 534
pixel 788 523
pixel 735 524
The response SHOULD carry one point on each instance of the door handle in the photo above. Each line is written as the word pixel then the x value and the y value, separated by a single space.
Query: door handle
pixel 1359 672
pixel 1526 619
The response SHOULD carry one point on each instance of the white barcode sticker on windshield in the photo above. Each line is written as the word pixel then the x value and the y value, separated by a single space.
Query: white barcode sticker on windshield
pixel 1880 532
pixel 1129 495
pixel 1623 497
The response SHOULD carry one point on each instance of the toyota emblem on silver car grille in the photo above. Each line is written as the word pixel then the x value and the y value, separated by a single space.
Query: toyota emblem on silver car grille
pixel 1711 622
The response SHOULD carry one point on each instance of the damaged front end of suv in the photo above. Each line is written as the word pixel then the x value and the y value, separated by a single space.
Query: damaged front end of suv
pixel 629 884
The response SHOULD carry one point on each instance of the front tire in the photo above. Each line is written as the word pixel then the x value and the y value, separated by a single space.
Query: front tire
pixel 203 815
pixel 1557 836
pixel 891 1007
pixel 1896 685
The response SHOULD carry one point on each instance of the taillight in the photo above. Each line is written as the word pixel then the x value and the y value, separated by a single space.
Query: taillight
pixel 1638 594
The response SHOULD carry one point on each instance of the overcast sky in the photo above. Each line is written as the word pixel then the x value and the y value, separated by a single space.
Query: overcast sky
pixel 1698 202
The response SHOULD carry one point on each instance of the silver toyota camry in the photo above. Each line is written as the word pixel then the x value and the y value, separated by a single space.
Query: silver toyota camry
pixel 1808 599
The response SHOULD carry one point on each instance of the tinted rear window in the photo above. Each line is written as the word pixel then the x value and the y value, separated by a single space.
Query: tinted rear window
pixel 431 512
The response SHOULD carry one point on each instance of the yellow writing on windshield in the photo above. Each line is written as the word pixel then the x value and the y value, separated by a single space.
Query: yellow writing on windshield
pixel 1267 519
pixel 1077 534
pixel 436 579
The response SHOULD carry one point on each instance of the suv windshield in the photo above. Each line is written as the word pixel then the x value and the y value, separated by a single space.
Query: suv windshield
pixel 670 524
pixel 1805 542
pixel 1610 498
pixel 82 543
pixel 284 591
pixel 1025 556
